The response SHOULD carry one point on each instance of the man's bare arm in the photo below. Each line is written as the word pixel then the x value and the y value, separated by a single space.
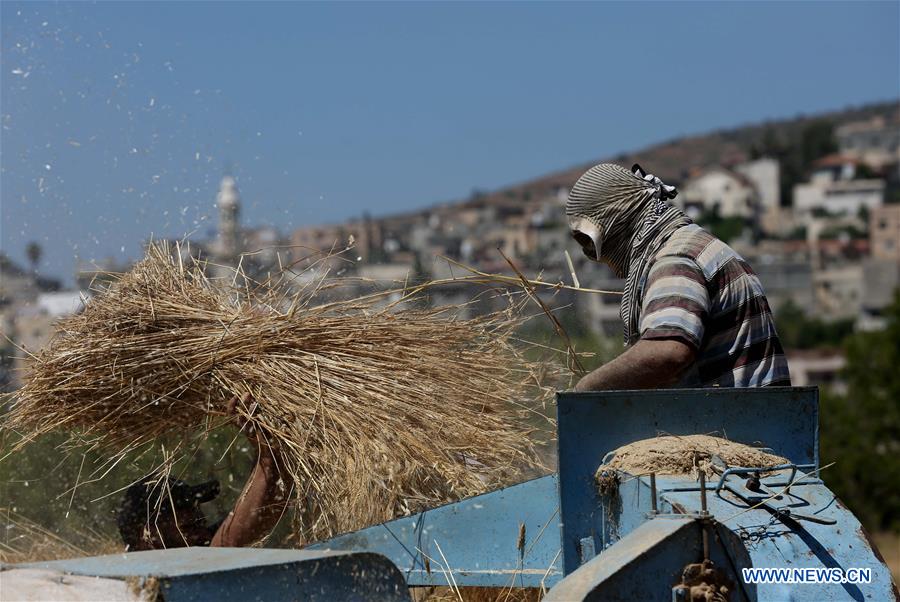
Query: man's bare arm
pixel 262 501
pixel 646 365
pixel 258 509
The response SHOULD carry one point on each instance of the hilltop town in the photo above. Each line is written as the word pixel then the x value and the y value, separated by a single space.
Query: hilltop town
pixel 812 203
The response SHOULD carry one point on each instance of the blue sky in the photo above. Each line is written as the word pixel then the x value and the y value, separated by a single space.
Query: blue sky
pixel 120 118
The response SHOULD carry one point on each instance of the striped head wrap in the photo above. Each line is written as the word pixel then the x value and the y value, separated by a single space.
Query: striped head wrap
pixel 622 218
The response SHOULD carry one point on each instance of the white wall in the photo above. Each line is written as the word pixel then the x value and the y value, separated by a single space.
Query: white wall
pixel 765 174
pixel 720 188
pixel 845 197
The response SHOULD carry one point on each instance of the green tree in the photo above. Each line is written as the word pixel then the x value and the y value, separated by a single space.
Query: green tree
pixel 797 153
pixel 723 228
pixel 817 140
pixel 797 331
pixel 864 172
pixel 861 431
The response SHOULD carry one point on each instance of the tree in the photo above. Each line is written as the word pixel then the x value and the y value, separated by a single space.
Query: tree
pixel 797 331
pixel 865 172
pixel 817 140
pixel 34 253
pixel 796 155
pixel 861 431
pixel 723 228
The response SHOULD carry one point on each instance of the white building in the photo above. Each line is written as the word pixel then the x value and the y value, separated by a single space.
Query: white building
pixel 732 193
pixel 833 189
pixel 765 173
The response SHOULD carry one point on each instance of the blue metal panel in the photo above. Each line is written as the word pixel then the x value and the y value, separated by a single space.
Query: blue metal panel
pixel 245 574
pixel 592 424
pixel 644 563
pixel 477 538
pixel 621 514
pixel 643 566
pixel 787 543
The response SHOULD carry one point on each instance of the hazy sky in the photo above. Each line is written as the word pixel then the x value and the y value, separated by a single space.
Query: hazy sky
pixel 120 118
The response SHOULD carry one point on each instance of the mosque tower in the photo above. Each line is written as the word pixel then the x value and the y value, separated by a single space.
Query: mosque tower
pixel 229 203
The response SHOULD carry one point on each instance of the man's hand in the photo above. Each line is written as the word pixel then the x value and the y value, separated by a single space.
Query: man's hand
pixel 240 409
pixel 646 365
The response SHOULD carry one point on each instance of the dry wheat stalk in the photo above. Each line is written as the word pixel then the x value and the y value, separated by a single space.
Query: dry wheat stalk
pixel 378 410
pixel 24 540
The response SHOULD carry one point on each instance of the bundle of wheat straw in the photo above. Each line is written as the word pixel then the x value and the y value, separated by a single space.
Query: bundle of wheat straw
pixel 377 410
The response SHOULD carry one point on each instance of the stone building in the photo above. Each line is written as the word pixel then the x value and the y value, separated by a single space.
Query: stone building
pixel 875 142
pixel 838 291
pixel 884 232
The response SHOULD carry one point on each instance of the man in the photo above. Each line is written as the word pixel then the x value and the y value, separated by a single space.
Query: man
pixel 165 513
pixel 694 312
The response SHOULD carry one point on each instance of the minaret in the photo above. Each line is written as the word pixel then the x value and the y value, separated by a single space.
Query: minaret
pixel 229 203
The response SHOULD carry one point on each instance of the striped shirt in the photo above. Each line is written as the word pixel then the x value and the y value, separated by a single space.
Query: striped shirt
pixel 701 292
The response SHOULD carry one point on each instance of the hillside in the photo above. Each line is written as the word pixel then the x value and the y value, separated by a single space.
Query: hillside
pixel 675 159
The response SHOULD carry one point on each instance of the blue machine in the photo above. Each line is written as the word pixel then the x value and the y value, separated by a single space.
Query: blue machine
pixel 652 537
pixel 648 539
